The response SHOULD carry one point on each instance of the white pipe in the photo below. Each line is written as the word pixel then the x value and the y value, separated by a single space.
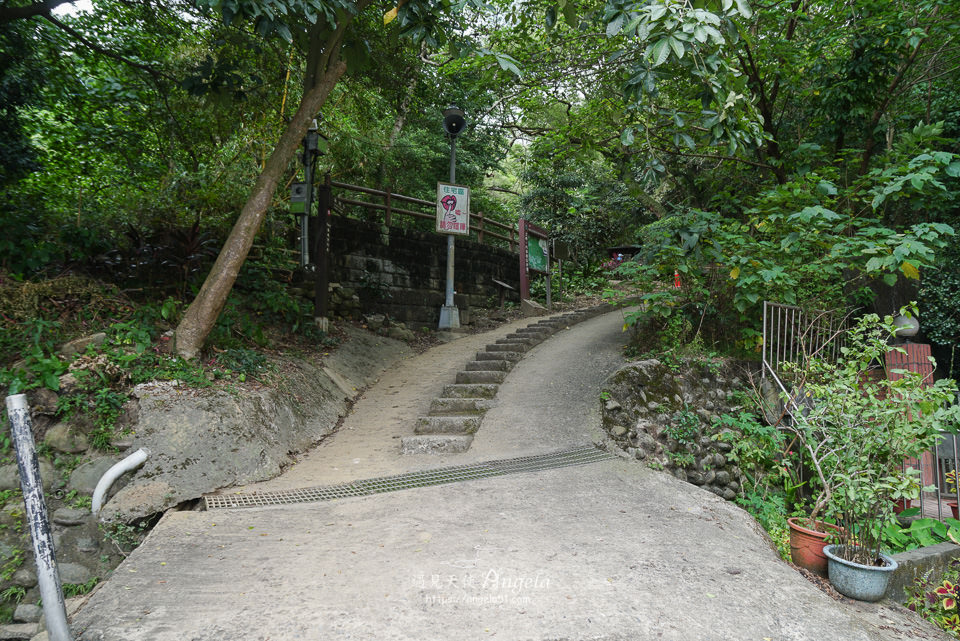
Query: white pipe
pixel 48 576
pixel 103 486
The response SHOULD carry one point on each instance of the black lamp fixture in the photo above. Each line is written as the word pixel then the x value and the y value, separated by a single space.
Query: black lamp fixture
pixel 453 120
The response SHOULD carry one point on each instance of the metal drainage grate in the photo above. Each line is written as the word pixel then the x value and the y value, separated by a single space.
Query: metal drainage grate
pixel 567 458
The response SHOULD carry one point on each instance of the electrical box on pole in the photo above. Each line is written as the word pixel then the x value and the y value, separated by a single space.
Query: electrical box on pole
pixel 298 199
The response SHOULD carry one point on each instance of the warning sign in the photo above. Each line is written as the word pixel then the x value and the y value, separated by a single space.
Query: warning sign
pixel 453 209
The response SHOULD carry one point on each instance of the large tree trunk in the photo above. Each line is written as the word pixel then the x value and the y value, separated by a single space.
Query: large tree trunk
pixel 202 313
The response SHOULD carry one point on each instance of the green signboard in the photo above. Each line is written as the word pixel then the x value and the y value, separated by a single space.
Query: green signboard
pixel 538 254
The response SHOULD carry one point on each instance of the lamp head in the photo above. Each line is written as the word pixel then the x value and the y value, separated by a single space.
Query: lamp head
pixel 453 120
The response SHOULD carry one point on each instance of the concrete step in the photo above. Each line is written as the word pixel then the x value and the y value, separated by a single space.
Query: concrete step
pixel 435 444
pixel 508 347
pixel 480 377
pixel 538 336
pixel 499 356
pixel 554 323
pixel 541 330
pixel 447 425
pixel 517 340
pixel 490 366
pixel 471 390
pixel 459 406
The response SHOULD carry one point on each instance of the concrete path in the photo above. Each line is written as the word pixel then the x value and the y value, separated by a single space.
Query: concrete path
pixel 610 550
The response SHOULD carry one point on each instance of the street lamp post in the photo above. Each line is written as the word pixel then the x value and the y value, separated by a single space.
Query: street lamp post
pixel 453 123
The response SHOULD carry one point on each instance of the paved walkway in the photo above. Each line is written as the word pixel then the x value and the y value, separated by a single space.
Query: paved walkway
pixel 609 550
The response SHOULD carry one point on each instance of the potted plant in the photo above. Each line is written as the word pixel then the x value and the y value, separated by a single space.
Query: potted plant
pixel 856 430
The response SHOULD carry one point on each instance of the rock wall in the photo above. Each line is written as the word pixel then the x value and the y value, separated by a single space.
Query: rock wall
pixel 664 415
pixel 200 440
pixel 402 272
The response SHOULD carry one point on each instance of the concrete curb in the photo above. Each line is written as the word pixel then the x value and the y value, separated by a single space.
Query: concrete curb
pixel 449 428
pixel 915 563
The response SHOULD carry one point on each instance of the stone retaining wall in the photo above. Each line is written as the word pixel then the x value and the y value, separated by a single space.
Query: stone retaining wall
pixel 664 415
pixel 402 272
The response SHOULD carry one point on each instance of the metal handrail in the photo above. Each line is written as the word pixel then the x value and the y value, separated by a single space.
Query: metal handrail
pixel 481 228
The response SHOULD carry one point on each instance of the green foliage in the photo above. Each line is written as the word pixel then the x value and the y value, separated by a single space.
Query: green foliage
pixel 586 278
pixel 805 255
pixel 13 593
pixel 124 536
pixel 763 454
pixel 71 590
pixel 77 500
pixel 130 357
pixel 242 362
pixel 40 367
pixel 685 429
pixel 769 470
pixel 680 39
pixel 29 250
pixel 40 370
pixel 856 430
pixel 107 407
pixel 13 563
pixel 580 201
pixel 261 300
pixel 21 77
pixel 940 317
pixel 936 600
pixel 921 532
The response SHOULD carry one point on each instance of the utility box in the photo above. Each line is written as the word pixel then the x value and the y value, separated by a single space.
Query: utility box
pixel 298 199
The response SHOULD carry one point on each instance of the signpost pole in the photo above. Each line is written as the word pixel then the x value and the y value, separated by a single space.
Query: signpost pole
pixel 450 252
pixel 453 123
pixel 524 274
pixel 310 143
pixel 549 304
pixel 321 249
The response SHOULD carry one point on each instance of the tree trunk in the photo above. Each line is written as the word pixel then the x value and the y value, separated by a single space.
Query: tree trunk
pixel 203 312
pixel 402 112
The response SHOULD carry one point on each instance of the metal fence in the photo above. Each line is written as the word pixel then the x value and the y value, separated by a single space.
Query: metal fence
pixel 792 335
pixel 393 207
pixel 940 496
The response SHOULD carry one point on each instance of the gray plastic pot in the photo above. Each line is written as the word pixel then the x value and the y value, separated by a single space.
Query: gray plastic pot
pixel 861 582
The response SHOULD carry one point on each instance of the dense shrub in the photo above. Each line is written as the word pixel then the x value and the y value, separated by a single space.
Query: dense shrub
pixel 940 315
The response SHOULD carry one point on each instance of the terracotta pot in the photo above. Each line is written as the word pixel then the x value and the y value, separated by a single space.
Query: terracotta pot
pixel 956 509
pixel 806 545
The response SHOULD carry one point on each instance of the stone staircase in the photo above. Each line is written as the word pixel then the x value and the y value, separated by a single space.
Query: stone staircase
pixel 455 417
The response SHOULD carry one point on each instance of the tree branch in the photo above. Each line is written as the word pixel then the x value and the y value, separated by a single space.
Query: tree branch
pixel 888 96
pixel 101 50
pixel 753 163
pixel 9 14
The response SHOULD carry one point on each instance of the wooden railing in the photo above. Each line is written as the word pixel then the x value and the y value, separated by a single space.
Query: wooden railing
pixel 480 225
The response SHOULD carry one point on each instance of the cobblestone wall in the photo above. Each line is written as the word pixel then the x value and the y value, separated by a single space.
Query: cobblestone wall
pixel 665 415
